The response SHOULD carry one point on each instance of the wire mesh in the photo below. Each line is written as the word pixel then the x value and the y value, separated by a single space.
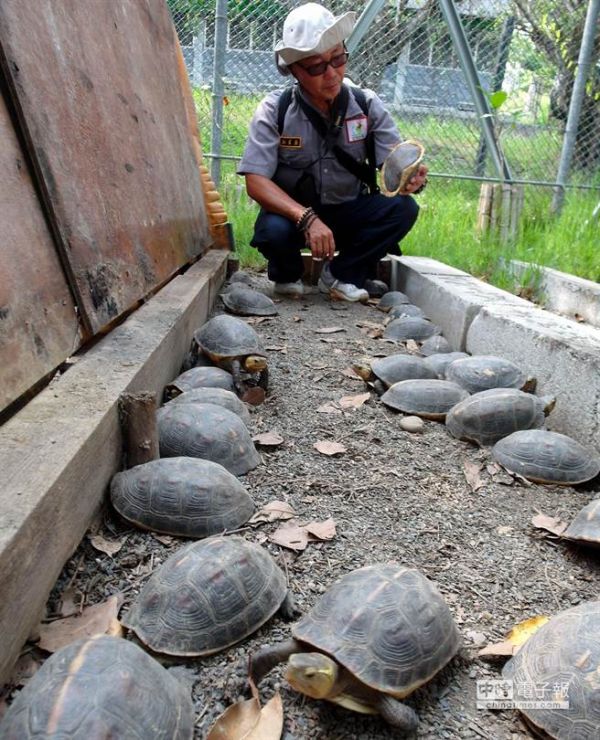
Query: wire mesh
pixel 525 52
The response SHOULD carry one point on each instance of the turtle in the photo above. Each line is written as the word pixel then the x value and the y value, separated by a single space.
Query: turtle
pixel 487 416
pixel 392 369
pixel 246 301
pixel 410 327
pixel 376 635
pixel 208 596
pixel 392 298
pixel 400 165
pixel 402 310
pixel 482 372
pixel 585 528
pixel 234 346
pixel 199 377
pixel 239 277
pixel 206 431
pixel 182 496
pixel 561 661
pixel 376 288
pixel 431 399
pixel 101 687
pixel 546 457
pixel 218 396
pixel 439 362
pixel 435 345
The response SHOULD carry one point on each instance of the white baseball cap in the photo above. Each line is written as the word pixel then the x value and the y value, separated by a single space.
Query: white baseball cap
pixel 311 29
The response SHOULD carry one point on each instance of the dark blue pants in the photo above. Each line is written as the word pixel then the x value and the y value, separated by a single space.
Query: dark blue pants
pixel 365 230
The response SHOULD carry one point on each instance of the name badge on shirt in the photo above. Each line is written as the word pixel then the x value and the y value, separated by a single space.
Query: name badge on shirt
pixel 290 142
pixel 356 129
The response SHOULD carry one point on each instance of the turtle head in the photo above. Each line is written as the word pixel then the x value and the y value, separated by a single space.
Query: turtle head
pixel 363 369
pixel 549 403
pixel 255 363
pixel 313 674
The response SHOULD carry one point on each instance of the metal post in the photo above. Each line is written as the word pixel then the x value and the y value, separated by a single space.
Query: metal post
pixel 570 137
pixel 218 89
pixel 461 45
pixel 362 24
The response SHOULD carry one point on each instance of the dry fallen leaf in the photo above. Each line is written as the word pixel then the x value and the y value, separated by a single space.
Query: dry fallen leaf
pixel 268 439
pixel 349 372
pixel 329 408
pixel 324 530
pixel 291 536
pixel 257 319
pixel 355 401
pixel 549 523
pixel 164 539
pixel 329 330
pixel 272 512
pixel 516 638
pixel 247 721
pixel 412 347
pixel 329 448
pixel 94 620
pixel 70 600
pixel 277 348
pixel 471 471
pixel 109 547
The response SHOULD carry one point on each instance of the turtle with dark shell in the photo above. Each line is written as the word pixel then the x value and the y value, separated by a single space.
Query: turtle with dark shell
pixel 416 328
pixel 375 636
pixel 208 596
pixel 218 396
pixel 101 687
pixel 234 346
pixel 482 372
pixel 562 662
pixel 440 361
pixel 431 399
pixel 392 298
pixel 245 301
pixel 385 371
pixel 488 416
pixel 182 496
pixel 199 377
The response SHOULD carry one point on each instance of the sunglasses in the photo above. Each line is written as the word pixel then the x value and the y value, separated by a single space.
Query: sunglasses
pixel 314 70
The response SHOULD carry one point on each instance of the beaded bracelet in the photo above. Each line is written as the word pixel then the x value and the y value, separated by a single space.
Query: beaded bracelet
pixel 304 216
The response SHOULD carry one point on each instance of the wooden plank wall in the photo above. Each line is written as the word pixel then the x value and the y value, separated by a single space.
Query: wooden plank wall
pixel 94 91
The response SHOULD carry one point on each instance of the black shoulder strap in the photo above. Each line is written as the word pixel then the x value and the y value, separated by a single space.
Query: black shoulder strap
pixel 366 173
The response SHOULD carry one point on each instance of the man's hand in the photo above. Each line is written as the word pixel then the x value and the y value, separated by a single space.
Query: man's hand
pixel 319 238
pixel 417 182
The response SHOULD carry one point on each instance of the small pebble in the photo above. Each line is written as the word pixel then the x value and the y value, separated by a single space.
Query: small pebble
pixel 412 424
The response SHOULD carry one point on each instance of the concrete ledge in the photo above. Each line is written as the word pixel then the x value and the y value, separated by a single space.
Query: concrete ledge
pixel 451 298
pixel 562 354
pixel 568 295
pixel 58 454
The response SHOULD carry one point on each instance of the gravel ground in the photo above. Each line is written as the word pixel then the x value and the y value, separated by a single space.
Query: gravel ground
pixel 393 495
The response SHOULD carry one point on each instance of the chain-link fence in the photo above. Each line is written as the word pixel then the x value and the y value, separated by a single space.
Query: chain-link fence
pixel 525 53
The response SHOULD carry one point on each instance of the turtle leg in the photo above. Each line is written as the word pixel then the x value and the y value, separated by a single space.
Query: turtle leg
pixel 396 713
pixel 268 657
pixel 236 370
pixel 263 379
pixel 288 608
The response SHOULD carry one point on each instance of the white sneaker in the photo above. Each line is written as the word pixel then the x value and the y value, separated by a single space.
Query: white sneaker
pixel 339 291
pixel 291 289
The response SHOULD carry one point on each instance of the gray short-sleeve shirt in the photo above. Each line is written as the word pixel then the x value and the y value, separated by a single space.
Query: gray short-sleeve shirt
pixel 300 148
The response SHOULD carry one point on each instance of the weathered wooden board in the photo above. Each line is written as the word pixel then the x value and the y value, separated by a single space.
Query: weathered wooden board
pixel 38 323
pixel 58 454
pixel 97 91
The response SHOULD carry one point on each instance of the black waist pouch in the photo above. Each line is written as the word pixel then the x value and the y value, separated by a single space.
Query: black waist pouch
pixel 298 184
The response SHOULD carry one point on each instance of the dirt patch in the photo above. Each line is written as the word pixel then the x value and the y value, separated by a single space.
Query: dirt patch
pixel 393 495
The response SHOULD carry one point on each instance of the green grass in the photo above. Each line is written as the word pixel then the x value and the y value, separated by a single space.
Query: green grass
pixel 445 229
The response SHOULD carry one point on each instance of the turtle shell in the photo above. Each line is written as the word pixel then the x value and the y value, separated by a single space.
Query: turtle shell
pixel 206 431
pixel 431 399
pixel 400 165
pixel 392 298
pixel 101 687
pixel 585 528
pixel 546 457
pixel 241 277
pixel 410 327
pixel 200 377
pixel 387 624
pixel 405 309
pixel 227 337
pixel 207 596
pixel 435 345
pixel 482 372
pixel 562 659
pixel 246 301
pixel 439 362
pixel 487 416
pixel 394 368
pixel 217 396
pixel 183 496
